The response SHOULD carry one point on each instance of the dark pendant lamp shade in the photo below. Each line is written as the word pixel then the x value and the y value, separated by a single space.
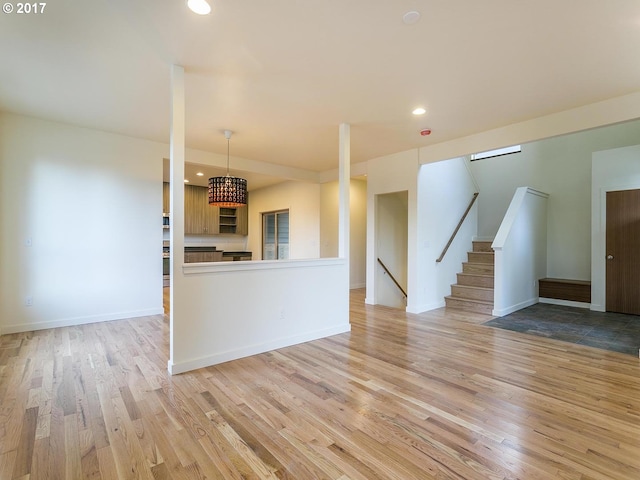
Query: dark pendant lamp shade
pixel 227 191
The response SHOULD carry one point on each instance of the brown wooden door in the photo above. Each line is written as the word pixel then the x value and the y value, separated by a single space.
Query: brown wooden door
pixel 623 252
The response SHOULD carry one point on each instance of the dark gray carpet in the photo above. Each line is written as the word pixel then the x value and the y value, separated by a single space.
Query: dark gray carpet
pixel 609 331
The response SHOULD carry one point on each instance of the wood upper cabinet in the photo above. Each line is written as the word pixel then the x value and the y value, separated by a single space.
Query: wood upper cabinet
pixel 165 197
pixel 242 220
pixel 199 217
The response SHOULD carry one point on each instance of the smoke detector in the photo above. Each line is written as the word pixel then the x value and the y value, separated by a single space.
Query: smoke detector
pixel 411 17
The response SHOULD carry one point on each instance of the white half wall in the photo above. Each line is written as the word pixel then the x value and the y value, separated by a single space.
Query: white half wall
pixel 613 170
pixel 520 252
pixel 229 310
pixel 80 225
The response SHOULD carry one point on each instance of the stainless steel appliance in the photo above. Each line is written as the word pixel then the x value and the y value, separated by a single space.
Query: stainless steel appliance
pixel 166 271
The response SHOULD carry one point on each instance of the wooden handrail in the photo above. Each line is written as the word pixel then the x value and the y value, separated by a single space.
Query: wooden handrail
pixel 455 232
pixel 392 278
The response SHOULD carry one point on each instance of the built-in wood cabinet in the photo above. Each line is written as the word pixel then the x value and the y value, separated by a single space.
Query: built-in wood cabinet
pixel 200 218
pixel 165 197
pixel 228 219
pixel 242 220
pixel 194 257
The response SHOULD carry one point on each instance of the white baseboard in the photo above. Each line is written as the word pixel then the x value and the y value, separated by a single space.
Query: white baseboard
pixel 221 357
pixel 71 322
pixel 514 308
pixel 565 303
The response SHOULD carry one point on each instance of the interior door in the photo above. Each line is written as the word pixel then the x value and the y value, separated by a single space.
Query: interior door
pixel 623 252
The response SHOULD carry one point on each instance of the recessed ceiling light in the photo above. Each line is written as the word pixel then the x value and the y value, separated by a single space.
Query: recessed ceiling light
pixel 186 181
pixel 201 7
pixel 200 174
pixel 411 17
pixel 419 111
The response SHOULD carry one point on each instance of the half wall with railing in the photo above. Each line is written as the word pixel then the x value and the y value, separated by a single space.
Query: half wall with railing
pixel 520 250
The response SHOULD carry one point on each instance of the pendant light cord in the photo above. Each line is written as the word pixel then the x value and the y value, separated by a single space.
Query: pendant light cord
pixel 228 141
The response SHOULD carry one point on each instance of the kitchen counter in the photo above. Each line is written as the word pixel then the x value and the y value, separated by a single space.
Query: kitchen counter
pixel 202 254
pixel 212 254
pixel 235 256
pixel 201 249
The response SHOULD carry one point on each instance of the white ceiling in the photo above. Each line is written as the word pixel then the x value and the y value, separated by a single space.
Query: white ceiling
pixel 282 74
pixel 255 181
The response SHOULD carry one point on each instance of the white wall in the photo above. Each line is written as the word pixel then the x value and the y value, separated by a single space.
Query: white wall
pixel 561 167
pixel 358 227
pixel 303 202
pixel 90 202
pixel 613 170
pixel 607 112
pixel 520 252
pixel 444 192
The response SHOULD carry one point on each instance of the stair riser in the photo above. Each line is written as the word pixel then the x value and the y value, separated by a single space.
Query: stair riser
pixel 480 257
pixel 469 306
pixel 475 281
pixel 482 269
pixel 482 246
pixel 472 293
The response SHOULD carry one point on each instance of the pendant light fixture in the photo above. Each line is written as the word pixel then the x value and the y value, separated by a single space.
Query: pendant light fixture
pixel 227 191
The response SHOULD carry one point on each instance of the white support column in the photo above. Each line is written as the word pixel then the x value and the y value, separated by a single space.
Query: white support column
pixel 344 181
pixel 177 154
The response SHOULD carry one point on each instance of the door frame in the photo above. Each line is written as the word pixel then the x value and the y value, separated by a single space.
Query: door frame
pixel 395 299
pixel 622 299
pixel 599 246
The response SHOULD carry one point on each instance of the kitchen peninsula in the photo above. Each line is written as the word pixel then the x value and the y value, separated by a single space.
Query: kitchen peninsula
pixel 212 254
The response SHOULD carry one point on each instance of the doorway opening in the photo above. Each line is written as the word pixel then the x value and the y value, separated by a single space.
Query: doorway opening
pixel 392 227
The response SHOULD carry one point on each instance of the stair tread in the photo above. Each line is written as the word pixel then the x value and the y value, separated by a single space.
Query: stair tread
pixel 472 300
pixel 478 263
pixel 471 286
pixel 468 274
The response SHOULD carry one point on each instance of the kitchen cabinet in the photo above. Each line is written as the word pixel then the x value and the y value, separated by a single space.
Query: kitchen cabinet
pixel 227 220
pixel 242 220
pixel 200 218
pixel 234 220
pixel 194 257
pixel 165 197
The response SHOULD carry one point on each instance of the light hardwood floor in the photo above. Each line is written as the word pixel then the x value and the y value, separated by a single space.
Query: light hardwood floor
pixel 402 396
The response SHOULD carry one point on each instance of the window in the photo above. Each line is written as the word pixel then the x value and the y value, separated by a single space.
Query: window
pixel 496 153
pixel 275 235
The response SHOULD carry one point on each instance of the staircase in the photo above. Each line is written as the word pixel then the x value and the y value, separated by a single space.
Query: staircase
pixel 474 290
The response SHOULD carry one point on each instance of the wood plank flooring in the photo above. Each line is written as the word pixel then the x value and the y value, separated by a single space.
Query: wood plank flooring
pixel 431 396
